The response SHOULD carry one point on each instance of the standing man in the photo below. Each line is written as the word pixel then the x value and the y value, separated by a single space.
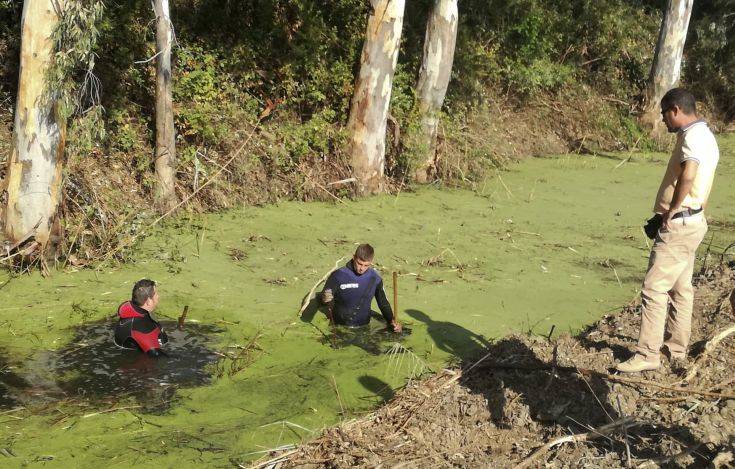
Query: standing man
pixel 667 294
pixel 350 290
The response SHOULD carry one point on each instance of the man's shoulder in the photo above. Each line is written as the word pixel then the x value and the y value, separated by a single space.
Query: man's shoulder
pixel 700 140
pixel 699 133
pixel 375 273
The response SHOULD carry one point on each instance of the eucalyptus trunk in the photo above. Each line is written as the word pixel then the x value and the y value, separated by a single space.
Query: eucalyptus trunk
pixel 666 68
pixel 33 178
pixel 436 70
pixel 165 196
pixel 369 110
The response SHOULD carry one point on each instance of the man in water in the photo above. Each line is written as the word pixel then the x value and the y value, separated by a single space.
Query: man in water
pixel 667 294
pixel 136 329
pixel 349 292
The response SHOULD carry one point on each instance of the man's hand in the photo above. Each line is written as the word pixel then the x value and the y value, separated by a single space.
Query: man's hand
pixel 667 217
pixel 396 326
pixel 327 296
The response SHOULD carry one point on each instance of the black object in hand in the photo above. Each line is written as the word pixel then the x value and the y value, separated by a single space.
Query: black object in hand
pixel 653 225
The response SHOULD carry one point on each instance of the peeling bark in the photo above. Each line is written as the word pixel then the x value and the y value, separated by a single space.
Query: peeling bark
pixel 165 156
pixel 436 70
pixel 369 111
pixel 33 180
pixel 666 68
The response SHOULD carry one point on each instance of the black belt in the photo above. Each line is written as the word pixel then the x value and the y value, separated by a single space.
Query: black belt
pixel 687 213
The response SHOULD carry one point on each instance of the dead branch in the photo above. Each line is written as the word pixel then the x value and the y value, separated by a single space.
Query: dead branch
pixel 305 303
pixel 708 348
pixel 614 378
pixel 596 433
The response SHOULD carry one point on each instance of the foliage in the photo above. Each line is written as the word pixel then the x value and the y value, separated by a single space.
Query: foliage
pixel 710 64
pixel 70 80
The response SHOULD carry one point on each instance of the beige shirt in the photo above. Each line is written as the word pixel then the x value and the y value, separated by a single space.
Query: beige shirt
pixel 693 142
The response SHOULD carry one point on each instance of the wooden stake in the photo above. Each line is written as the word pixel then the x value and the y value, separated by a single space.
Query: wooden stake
pixel 395 296
pixel 182 318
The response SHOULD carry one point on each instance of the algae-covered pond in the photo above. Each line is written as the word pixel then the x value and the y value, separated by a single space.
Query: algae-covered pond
pixel 550 241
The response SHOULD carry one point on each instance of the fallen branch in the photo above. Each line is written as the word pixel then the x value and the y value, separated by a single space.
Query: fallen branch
pixel 305 303
pixel 708 348
pixel 614 378
pixel 596 433
pixel 111 410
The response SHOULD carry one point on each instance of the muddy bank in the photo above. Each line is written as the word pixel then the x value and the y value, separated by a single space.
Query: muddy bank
pixel 529 391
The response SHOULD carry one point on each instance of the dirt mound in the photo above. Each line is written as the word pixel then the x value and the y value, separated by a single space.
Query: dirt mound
pixel 536 402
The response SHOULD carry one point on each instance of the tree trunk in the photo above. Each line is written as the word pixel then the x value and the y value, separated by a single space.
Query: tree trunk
pixel 165 135
pixel 33 180
pixel 666 67
pixel 436 69
pixel 369 111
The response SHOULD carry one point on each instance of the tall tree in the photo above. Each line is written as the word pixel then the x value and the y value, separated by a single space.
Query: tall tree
pixel 666 68
pixel 165 133
pixel 369 110
pixel 436 69
pixel 33 180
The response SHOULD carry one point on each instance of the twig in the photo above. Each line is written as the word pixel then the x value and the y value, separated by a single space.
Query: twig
pixel 510 194
pixel 614 378
pixel 600 431
pixel 339 399
pixel 111 410
pixel 669 459
pixel 271 462
pixel 327 191
pixel 625 432
pixel 132 239
pixel 708 348
pixel 342 181
pixel 305 303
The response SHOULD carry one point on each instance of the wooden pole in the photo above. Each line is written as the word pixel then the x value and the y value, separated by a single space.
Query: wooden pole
pixel 395 296
pixel 182 318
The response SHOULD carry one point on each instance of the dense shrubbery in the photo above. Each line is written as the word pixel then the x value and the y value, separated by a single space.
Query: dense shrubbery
pixel 296 60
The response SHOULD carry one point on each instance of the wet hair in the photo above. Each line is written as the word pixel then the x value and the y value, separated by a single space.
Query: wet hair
pixel 679 97
pixel 143 290
pixel 365 252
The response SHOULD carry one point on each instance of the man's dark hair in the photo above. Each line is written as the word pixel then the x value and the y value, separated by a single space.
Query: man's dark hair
pixel 679 97
pixel 365 252
pixel 142 290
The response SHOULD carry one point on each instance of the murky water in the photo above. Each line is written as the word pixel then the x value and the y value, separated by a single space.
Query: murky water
pixel 374 338
pixel 93 368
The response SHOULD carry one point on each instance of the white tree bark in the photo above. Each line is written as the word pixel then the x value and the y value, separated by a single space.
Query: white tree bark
pixel 666 68
pixel 33 180
pixel 369 111
pixel 436 70
pixel 165 155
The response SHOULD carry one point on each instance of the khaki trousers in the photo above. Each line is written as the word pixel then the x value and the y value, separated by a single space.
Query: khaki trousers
pixel 667 294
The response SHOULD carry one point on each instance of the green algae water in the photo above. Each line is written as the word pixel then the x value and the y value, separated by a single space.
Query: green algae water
pixel 548 242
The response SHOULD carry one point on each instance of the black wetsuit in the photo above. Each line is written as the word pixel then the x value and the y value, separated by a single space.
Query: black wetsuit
pixel 353 296
pixel 137 329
